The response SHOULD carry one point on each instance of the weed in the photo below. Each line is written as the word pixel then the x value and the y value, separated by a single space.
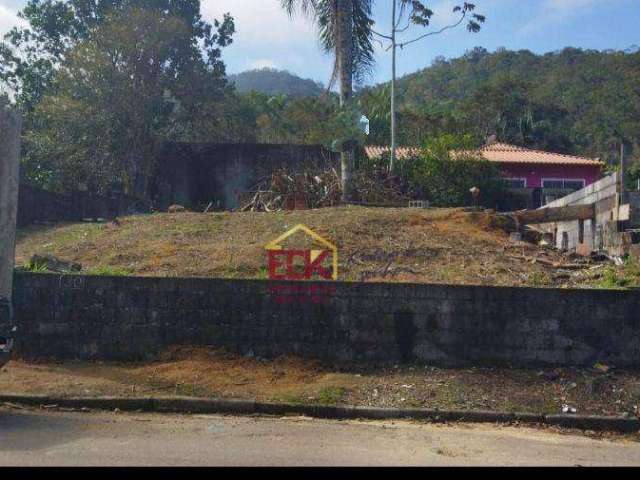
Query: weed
pixel 621 278
pixel 414 403
pixel 331 395
pixel 107 271
pixel 33 267
pixel 538 279
pixel 291 398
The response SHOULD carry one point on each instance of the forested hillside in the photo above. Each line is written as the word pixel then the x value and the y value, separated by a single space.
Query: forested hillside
pixel 574 101
pixel 275 82
pixel 101 83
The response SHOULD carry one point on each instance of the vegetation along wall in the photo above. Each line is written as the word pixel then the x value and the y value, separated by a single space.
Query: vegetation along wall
pixel 130 319
pixel 195 175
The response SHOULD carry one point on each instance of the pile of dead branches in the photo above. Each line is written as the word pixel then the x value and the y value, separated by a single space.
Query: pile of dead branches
pixel 377 187
pixel 321 188
pixel 289 191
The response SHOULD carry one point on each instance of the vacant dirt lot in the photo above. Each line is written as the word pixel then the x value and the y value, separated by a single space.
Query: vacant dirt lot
pixel 396 245
pixel 209 373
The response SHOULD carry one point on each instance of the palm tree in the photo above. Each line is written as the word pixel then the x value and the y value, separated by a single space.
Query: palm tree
pixel 344 28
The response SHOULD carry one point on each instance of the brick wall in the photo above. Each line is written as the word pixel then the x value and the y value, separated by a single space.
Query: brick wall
pixel 126 319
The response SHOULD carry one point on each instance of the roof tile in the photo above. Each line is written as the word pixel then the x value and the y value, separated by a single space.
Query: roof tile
pixel 500 153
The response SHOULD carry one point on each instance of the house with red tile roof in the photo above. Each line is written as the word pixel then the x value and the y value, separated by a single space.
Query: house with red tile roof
pixel 543 176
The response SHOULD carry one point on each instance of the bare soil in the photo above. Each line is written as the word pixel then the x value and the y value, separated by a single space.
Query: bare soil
pixel 215 374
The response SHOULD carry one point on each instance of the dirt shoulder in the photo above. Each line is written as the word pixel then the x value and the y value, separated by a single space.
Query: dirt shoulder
pixel 214 374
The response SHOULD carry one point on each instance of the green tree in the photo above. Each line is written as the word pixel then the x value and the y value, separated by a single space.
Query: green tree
pixel 32 54
pixel 572 101
pixel 506 107
pixel 404 15
pixel 448 169
pixel 307 120
pixel 345 31
pixel 125 74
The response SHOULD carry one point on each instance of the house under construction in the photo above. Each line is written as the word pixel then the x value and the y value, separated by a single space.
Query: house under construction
pixel 602 217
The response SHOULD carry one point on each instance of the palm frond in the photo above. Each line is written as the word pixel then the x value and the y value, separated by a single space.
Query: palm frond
pixel 324 15
pixel 363 53
pixel 306 7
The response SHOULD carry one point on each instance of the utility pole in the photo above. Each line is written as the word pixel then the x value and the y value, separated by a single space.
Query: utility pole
pixel 623 185
pixel 10 124
pixel 394 49
pixel 404 15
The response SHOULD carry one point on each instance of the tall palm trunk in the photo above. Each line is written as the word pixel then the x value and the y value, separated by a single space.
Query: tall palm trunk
pixel 344 58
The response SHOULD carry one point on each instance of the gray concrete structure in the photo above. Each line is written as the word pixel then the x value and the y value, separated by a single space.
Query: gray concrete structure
pixel 609 230
pixel 130 319
pixel 41 206
pixel 10 123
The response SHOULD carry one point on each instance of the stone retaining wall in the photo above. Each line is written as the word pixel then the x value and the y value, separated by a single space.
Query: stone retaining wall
pixel 128 319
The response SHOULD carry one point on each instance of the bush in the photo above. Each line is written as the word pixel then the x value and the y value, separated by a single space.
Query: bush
pixel 622 278
pixel 448 169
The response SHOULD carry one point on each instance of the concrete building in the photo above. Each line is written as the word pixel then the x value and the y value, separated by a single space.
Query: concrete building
pixel 615 226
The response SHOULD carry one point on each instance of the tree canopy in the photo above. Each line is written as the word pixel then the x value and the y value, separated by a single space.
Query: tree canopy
pixel 102 81
pixel 570 101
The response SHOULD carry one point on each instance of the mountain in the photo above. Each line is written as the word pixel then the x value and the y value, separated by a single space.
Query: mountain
pixel 570 101
pixel 276 82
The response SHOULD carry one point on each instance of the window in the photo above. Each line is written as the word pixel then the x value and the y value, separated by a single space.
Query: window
pixel 563 184
pixel 574 184
pixel 515 182
pixel 553 184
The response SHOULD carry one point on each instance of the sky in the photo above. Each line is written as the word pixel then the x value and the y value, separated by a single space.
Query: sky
pixel 267 37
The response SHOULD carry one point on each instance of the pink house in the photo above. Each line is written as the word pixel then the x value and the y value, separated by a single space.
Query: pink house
pixel 526 168
pixel 543 176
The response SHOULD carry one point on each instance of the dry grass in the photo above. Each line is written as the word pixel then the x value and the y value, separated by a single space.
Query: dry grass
pixel 430 246
pixel 184 371
pixel 210 373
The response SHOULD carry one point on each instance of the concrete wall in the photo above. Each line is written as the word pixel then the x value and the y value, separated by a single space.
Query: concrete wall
pixel 40 206
pixel 633 198
pixel 194 175
pixel 599 232
pixel 98 318
pixel 10 124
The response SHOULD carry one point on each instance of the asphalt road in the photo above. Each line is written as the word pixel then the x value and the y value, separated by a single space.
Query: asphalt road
pixel 41 438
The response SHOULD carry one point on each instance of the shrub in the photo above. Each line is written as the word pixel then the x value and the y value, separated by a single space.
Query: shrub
pixel 448 169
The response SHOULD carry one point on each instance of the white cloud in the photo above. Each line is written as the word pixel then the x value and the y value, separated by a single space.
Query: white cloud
pixel 260 20
pixel 263 63
pixel 266 35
